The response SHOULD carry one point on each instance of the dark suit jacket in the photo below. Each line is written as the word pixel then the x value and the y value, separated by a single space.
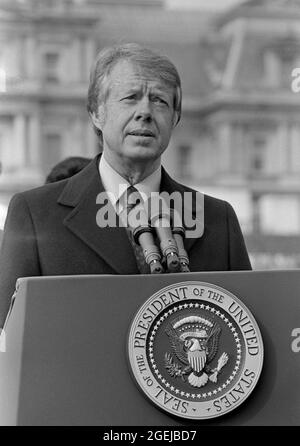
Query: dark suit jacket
pixel 52 230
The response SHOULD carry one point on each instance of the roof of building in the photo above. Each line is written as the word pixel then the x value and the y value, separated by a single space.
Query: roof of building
pixel 157 25
pixel 177 34
pixel 270 9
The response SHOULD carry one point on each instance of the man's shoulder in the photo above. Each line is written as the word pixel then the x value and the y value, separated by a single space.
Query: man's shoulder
pixel 51 192
pixel 42 195
pixel 213 202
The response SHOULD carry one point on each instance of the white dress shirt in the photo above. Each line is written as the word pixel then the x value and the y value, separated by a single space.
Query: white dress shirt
pixel 114 183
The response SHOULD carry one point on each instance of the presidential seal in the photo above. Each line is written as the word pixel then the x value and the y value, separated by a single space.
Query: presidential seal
pixel 195 350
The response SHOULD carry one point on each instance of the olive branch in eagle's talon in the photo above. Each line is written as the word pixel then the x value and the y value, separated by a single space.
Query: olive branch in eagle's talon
pixel 221 363
pixel 174 369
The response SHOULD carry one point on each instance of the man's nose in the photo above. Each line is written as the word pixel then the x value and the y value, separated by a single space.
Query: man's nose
pixel 143 111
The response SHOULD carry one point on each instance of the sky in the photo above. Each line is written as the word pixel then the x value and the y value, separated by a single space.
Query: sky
pixel 212 5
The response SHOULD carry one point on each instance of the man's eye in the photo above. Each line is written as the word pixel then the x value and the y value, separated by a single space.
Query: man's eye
pixel 159 100
pixel 131 97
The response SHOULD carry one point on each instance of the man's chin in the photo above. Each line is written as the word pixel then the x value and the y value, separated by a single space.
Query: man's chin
pixel 143 153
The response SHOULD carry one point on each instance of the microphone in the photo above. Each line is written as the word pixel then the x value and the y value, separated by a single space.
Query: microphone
pixel 143 236
pixel 179 235
pixel 160 220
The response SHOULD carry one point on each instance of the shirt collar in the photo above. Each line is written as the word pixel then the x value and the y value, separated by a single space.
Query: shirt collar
pixel 114 183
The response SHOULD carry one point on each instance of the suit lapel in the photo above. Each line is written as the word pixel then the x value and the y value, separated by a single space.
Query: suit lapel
pixel 110 243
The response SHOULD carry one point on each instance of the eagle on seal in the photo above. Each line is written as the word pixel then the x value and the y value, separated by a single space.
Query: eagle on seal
pixel 195 341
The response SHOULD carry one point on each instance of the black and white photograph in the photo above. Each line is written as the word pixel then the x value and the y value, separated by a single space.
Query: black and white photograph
pixel 149 215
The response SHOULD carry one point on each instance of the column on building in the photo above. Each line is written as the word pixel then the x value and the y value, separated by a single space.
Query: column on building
pixel 34 130
pixel 256 213
pixel 280 159
pixel 225 143
pixel 19 150
pixel 13 56
pixel 31 57
pixel 77 61
pixel 77 148
pixel 90 56
pixel 238 150
pixel 21 58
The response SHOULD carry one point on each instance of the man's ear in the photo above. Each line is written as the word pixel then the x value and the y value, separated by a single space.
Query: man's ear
pixel 98 119
pixel 176 118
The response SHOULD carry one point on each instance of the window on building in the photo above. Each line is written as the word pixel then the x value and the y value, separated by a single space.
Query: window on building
pixel 271 69
pixel 287 67
pixel 51 65
pixel 280 214
pixel 257 155
pixel 184 160
pixel 280 57
pixel 51 4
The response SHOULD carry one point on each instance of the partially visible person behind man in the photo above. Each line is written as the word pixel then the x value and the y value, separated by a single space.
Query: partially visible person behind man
pixel 134 101
pixel 67 168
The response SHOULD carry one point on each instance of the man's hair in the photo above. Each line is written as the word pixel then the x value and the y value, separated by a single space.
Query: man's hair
pixel 67 168
pixel 160 67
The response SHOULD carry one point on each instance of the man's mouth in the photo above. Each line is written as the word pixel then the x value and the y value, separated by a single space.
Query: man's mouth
pixel 142 133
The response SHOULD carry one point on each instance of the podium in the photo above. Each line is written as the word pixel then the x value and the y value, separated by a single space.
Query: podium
pixel 66 350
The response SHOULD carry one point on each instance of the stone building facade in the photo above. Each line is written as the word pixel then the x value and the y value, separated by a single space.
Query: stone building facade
pixel 239 137
pixel 46 50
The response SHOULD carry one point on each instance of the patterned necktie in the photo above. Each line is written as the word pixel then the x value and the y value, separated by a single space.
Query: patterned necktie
pixel 130 203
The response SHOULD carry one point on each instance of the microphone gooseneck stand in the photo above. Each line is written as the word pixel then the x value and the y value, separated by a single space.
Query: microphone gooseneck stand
pixel 179 235
pixel 160 220
pixel 143 235
pixel 171 239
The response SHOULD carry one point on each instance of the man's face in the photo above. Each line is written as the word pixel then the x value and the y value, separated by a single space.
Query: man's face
pixel 137 117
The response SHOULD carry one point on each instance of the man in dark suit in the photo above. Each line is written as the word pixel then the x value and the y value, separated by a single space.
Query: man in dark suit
pixel 134 102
